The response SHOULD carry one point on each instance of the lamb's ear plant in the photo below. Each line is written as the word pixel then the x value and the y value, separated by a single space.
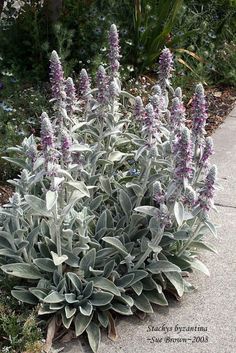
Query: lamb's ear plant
pixel 111 207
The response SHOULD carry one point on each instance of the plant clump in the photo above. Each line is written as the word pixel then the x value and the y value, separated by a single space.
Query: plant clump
pixel 111 207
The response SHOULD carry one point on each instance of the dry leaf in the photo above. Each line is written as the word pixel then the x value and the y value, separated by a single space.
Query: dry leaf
pixel 51 331
pixel 112 332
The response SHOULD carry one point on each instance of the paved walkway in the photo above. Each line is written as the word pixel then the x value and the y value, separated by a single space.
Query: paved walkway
pixel 213 305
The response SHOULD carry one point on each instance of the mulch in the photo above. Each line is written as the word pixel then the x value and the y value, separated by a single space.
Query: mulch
pixel 221 101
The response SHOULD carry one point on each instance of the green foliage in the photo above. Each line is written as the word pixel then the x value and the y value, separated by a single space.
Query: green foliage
pixel 212 40
pixel 19 330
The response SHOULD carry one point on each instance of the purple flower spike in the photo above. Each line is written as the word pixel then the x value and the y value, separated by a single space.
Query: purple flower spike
pixel 165 68
pixel 206 193
pixel 190 197
pixel 66 143
pixel 47 135
pixel 183 156
pixel 32 153
pixel 114 53
pixel 70 95
pixel 113 90
pixel 84 85
pixel 57 77
pixel 207 152
pixel 138 109
pixel 158 194
pixel 102 85
pixel 199 112
pixel 149 122
pixel 177 116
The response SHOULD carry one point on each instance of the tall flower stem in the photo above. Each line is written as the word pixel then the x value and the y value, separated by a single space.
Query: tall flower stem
pixel 190 240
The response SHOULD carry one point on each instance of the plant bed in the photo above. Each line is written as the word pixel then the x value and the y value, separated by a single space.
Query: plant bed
pixel 111 205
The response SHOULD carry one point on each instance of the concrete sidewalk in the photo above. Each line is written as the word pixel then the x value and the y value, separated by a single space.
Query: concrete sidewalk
pixel 212 307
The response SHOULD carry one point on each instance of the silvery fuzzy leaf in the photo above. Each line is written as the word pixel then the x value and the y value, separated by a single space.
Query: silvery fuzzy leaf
pixel 88 260
pixel 56 306
pixel 139 152
pixel 181 235
pixel 138 275
pixel 69 312
pixel 51 199
pixel 38 163
pixel 199 265
pixel 17 161
pixel 66 322
pixel 95 203
pixel 88 290
pixel 116 243
pixel 45 264
pixel 75 281
pixel 38 205
pixel 170 190
pixel 125 280
pixel 102 221
pixel 71 298
pixel 103 318
pixel 79 125
pixel 148 210
pixel 10 253
pixel 39 293
pixel 162 266
pixel 86 308
pixel 79 148
pixel 105 185
pixel 24 296
pixel 80 186
pixel 156 297
pixel 94 336
pixel 177 281
pixel 125 203
pixel 199 245
pixel 81 323
pixel 108 268
pixel 58 260
pixel 179 212
pixel 136 188
pixel 126 299
pixel 211 227
pixel 142 303
pixel 22 270
pixel 101 298
pixel 105 284
pixel 122 308
pixel 137 287
pixel 45 310
pixel 116 156
pixel 54 297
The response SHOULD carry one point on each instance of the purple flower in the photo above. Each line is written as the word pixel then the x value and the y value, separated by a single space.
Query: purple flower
pixel 199 112
pixel 66 143
pixel 56 77
pixel 165 68
pixel 189 197
pixel 158 194
pixel 70 96
pixel 177 116
pixel 47 135
pixel 183 151
pixel 32 153
pixel 101 85
pixel 84 85
pixel 114 53
pixel 113 90
pixel 207 152
pixel 206 194
pixel 150 122
pixel 138 109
